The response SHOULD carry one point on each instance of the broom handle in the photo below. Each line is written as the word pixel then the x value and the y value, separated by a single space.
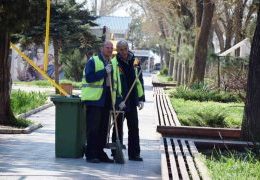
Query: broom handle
pixel 132 87
pixel 113 104
pixel 129 92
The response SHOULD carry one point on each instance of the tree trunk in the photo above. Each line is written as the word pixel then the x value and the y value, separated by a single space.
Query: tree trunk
pixel 201 46
pixel 175 71
pixel 179 73
pixel 6 114
pixel 171 63
pixel 56 61
pixel 220 36
pixel 219 73
pixel 187 64
pixel 183 73
pixel 167 58
pixel 228 26
pixel 238 17
pixel 161 56
pixel 176 61
pixel 251 121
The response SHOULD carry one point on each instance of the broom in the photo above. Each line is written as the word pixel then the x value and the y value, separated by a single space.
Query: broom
pixel 119 156
pixel 130 90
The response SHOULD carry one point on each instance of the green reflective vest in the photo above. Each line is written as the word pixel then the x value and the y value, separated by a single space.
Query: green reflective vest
pixel 93 91
pixel 140 90
pixel 139 87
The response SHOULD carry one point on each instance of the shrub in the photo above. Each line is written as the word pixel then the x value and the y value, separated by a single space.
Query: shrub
pixel 203 93
pixel 22 102
pixel 164 71
pixel 206 117
pixel 21 123
pixel 169 79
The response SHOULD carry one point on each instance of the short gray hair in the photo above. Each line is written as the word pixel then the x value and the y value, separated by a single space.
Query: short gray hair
pixel 122 43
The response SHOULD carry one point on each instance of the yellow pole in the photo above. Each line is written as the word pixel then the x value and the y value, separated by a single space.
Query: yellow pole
pixel 39 70
pixel 47 34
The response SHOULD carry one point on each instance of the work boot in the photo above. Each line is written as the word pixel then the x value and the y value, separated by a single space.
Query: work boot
pixel 135 158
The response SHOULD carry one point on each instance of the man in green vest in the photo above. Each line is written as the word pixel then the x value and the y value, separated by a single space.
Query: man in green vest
pixel 97 96
pixel 128 74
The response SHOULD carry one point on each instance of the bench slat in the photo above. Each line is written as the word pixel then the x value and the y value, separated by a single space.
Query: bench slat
pixel 174 170
pixel 164 167
pixel 162 120
pixel 193 171
pixel 168 113
pixel 165 115
pixel 203 170
pixel 181 161
pixel 174 115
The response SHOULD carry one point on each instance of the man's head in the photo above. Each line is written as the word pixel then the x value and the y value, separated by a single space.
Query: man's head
pixel 107 49
pixel 122 48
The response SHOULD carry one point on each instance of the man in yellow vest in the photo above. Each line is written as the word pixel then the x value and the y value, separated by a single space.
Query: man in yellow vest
pixel 128 74
pixel 97 96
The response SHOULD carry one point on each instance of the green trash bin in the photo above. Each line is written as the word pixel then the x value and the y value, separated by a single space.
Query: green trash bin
pixel 70 127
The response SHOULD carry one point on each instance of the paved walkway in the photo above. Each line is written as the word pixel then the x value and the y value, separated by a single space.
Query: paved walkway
pixel 32 156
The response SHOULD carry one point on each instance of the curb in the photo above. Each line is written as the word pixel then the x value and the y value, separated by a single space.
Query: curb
pixel 33 111
pixel 30 128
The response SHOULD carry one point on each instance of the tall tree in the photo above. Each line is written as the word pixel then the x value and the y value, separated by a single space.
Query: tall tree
pixel 251 121
pixel 201 46
pixel 15 16
pixel 69 29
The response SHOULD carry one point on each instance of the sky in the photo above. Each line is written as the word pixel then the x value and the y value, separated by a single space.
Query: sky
pixel 122 11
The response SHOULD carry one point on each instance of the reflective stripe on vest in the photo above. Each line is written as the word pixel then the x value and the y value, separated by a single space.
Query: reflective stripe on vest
pixel 93 91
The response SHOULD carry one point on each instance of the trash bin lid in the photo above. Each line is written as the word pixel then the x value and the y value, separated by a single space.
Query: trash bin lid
pixel 64 99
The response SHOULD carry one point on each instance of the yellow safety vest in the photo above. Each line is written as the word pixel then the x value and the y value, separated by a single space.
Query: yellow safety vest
pixel 93 91
pixel 140 90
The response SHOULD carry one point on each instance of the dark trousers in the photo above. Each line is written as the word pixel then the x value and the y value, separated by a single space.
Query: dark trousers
pixel 97 128
pixel 133 132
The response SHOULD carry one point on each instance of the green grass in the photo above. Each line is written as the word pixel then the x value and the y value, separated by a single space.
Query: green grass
pixel 164 78
pixel 40 83
pixel 22 102
pixel 233 165
pixel 45 83
pixel 21 123
pixel 213 114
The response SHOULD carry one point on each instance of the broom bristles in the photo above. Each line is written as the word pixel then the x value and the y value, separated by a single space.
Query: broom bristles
pixel 119 156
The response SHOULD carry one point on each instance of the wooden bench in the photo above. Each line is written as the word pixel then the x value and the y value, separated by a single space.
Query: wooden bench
pixel 180 159
pixel 166 115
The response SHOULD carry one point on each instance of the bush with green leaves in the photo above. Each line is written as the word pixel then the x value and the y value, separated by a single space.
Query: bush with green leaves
pixel 203 93
pixel 208 113
pixel 206 118
pixel 169 79
pixel 22 102
pixel 164 71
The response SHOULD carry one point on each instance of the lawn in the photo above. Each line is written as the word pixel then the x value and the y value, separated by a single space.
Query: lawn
pixel 233 165
pixel 45 83
pixel 209 113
